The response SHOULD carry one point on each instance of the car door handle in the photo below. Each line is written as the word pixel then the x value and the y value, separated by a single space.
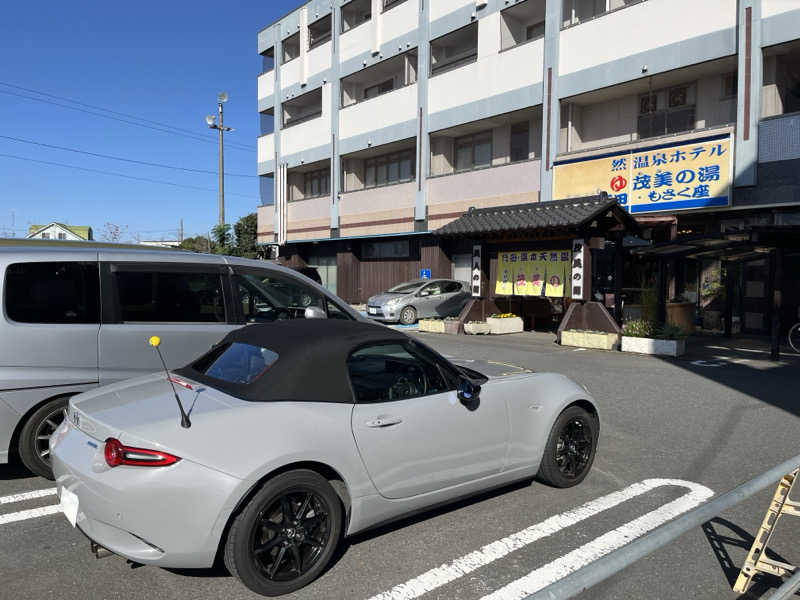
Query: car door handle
pixel 384 422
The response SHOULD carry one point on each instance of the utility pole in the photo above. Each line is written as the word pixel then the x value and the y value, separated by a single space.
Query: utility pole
pixel 180 234
pixel 222 97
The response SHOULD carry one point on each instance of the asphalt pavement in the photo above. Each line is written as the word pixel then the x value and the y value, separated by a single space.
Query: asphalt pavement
pixel 699 425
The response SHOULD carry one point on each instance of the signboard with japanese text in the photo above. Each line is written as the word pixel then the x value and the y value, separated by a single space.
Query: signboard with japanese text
pixel 533 273
pixel 681 175
pixel 476 271
pixel 580 257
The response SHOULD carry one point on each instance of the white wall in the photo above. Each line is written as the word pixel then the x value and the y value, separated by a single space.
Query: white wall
pixel 493 74
pixel 265 148
pixel 440 8
pixel 310 134
pixel 770 8
pixel 266 84
pixel 355 41
pixel 290 73
pixel 392 108
pixel 400 20
pixel 319 59
pixel 639 28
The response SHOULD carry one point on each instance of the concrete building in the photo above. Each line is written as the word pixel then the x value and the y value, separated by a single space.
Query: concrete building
pixel 384 120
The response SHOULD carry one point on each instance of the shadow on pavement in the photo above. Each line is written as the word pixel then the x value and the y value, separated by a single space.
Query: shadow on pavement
pixel 14 470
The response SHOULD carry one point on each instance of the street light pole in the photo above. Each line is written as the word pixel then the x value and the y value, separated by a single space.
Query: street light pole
pixel 219 126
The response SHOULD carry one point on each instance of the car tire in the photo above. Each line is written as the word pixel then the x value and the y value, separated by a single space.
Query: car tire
pixel 33 439
pixel 408 316
pixel 571 448
pixel 274 555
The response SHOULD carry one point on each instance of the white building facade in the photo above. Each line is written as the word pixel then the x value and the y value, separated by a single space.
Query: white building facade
pixel 384 120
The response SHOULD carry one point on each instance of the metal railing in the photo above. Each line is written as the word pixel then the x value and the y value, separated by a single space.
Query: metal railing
pixel 616 561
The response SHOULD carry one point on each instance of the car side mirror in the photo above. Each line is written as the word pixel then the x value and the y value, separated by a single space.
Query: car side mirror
pixel 314 312
pixel 424 293
pixel 468 393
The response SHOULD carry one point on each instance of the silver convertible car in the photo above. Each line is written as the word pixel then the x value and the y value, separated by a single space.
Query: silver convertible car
pixel 297 433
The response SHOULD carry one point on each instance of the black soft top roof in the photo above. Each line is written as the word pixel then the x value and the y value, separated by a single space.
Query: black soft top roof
pixel 312 359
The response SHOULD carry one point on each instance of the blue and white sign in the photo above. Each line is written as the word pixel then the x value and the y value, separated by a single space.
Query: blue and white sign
pixel 424 273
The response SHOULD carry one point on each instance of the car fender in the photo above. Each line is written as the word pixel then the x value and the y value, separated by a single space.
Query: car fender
pixel 535 400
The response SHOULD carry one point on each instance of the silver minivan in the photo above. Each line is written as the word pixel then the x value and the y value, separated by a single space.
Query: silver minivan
pixel 78 315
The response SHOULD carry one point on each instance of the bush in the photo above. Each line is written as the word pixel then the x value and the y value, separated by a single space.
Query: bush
pixel 638 328
pixel 669 331
pixel 502 316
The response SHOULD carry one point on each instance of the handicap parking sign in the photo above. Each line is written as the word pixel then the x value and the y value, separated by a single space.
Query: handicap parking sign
pixel 424 273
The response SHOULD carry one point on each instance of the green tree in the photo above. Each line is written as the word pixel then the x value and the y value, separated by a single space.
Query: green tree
pixel 222 238
pixel 245 230
pixel 199 243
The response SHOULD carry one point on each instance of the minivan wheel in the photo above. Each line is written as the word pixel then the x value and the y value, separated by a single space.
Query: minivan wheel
pixel 286 534
pixel 408 316
pixel 34 447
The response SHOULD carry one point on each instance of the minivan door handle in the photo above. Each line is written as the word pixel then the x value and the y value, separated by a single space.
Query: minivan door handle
pixel 384 422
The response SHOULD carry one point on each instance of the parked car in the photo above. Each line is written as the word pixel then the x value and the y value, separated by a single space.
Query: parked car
pixel 59 335
pixel 277 466
pixel 419 299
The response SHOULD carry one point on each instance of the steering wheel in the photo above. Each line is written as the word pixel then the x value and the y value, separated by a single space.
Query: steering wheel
pixel 402 388
pixel 281 314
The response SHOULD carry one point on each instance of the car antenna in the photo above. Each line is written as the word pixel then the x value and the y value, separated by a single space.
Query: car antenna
pixel 155 342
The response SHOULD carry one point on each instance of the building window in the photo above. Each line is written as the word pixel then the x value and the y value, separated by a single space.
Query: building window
pixel 266 123
pixel 666 111
pixel 473 151
pixel 730 85
pixel 62 236
pixel 389 169
pixel 377 90
pixel 319 32
pixel 291 48
pixel 316 183
pixel 387 4
pixel 268 60
pixel 520 23
pixel 302 108
pixel 45 236
pixel 520 142
pixel 355 13
pixel 455 49
pixel 389 249
pixel 578 11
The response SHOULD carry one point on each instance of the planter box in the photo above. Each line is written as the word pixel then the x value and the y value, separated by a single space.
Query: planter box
pixel 477 328
pixel 589 339
pixel 651 346
pixel 682 315
pixel 431 326
pixel 501 326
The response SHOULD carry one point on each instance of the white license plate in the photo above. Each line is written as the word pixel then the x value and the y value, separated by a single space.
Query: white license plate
pixel 373 311
pixel 69 506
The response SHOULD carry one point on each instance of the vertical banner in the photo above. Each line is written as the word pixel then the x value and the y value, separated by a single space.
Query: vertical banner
pixel 476 271
pixel 559 271
pixel 580 253
pixel 504 285
pixel 537 274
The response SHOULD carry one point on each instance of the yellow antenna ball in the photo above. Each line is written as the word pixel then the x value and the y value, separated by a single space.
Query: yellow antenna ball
pixel 154 341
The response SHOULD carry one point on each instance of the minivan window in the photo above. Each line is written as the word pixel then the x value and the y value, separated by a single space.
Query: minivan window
pixel 170 296
pixel 53 292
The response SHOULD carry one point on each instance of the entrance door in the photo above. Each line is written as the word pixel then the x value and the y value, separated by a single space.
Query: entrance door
pixel 412 432
pixel 462 267
pixel 326 267
pixel 755 305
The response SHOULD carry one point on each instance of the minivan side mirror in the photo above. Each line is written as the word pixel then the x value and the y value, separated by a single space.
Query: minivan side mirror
pixel 468 393
pixel 314 312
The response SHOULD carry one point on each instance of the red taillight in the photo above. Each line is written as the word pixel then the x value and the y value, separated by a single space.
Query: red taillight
pixel 180 382
pixel 116 454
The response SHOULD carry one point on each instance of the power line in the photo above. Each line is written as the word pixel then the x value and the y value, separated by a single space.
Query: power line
pixel 112 173
pixel 130 160
pixel 195 137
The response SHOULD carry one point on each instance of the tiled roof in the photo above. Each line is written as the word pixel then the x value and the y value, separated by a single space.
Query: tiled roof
pixel 534 216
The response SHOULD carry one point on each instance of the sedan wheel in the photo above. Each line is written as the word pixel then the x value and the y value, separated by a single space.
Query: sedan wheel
pixel 286 535
pixel 34 439
pixel 408 316
pixel 570 449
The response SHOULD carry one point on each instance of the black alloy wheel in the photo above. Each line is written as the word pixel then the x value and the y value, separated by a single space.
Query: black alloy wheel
pixel 574 447
pixel 286 534
pixel 291 535
pixel 34 439
pixel 571 448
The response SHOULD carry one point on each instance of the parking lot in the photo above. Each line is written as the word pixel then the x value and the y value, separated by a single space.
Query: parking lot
pixel 698 425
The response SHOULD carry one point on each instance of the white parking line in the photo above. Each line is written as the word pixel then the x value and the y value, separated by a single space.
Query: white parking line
pixel 489 553
pixel 33 513
pixel 558 569
pixel 27 496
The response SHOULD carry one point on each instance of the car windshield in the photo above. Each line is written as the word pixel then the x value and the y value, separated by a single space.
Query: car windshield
pixel 241 363
pixel 405 288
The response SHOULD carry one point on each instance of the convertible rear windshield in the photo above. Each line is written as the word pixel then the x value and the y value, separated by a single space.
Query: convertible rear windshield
pixel 237 363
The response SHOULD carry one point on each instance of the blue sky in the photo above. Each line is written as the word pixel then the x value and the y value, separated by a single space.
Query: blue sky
pixel 161 61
